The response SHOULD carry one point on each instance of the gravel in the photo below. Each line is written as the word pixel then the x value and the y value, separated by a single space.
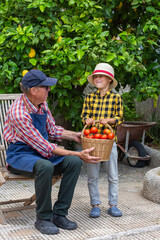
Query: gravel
pixel 126 173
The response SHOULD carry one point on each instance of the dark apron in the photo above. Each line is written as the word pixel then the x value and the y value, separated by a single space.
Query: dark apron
pixel 23 157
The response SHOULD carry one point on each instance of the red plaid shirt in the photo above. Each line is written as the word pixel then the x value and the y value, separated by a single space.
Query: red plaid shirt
pixel 19 127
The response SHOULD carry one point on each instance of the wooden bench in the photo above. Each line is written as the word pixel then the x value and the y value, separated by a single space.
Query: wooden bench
pixel 5 102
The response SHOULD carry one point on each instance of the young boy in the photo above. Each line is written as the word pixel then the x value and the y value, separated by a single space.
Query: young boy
pixel 107 107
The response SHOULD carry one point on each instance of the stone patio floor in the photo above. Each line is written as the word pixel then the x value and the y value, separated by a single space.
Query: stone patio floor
pixel 140 220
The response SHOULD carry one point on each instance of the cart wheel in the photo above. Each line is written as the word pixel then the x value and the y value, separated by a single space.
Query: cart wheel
pixel 136 149
pixel 120 154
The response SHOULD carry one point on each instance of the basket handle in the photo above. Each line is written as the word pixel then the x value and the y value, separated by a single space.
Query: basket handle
pixel 94 124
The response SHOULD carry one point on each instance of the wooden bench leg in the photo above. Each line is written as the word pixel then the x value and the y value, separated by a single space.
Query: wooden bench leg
pixel 27 202
pixel 2 218
pixel 56 179
pixel 2 179
pixel 30 200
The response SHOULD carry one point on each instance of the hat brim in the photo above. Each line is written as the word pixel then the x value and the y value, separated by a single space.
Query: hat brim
pixel 49 82
pixel 112 85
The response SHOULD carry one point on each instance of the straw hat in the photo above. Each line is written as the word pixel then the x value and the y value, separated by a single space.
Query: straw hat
pixel 103 69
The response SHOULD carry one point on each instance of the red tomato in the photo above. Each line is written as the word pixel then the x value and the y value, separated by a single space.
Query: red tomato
pixel 87 132
pixel 94 130
pixel 97 135
pixel 111 136
pixel 107 131
pixel 90 136
pixel 104 136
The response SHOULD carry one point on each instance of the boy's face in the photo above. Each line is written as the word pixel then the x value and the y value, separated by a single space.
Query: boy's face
pixel 102 81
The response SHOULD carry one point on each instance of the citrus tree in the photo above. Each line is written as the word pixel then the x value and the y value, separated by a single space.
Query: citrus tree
pixel 67 38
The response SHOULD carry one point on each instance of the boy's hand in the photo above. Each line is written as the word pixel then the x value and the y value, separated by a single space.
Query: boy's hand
pixel 104 121
pixel 90 121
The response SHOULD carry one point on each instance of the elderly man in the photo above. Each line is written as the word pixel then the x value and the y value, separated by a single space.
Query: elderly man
pixel 28 126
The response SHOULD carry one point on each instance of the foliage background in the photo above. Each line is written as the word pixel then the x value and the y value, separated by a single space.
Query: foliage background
pixel 71 36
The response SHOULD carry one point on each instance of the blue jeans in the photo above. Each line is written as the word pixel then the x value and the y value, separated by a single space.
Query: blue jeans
pixel 112 173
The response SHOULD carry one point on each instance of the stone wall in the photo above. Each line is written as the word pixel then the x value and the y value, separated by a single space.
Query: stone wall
pixel 147 109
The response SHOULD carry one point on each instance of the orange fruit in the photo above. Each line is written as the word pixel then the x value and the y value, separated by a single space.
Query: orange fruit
pixel 59 39
pixel 24 72
pixel 32 53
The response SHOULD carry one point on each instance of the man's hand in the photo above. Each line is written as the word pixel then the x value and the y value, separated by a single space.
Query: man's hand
pixel 72 136
pixel 84 155
pixel 77 137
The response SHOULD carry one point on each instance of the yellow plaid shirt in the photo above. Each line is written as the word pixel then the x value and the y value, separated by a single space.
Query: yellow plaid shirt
pixel 108 106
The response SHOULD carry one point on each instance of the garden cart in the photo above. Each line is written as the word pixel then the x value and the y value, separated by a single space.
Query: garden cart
pixel 129 135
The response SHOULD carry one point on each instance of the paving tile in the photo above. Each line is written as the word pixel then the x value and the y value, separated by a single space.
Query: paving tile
pixel 140 220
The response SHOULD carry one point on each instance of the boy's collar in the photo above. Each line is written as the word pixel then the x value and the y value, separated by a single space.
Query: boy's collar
pixel 108 92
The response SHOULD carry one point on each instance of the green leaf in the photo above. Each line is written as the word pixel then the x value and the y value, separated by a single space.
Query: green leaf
pixel 152 42
pixel 29 29
pixel 104 34
pixel 13 64
pixel 82 80
pixel 67 102
pixel 82 15
pixel 80 54
pixel 47 51
pixel 41 7
pixel 33 61
pixel 25 39
pixel 134 42
pixel 153 27
pixel 124 33
pixel 72 58
pixel 126 55
pixel 35 40
pixel 145 28
pixel 116 63
pixel 15 19
pixel 2 38
pixel 42 36
pixel 135 2
pixel 71 2
pixel 110 57
pixel 150 9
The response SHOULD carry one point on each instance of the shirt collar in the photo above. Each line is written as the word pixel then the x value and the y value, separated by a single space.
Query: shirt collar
pixel 31 106
pixel 107 93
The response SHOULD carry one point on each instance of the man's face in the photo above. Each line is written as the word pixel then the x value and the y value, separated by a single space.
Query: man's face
pixel 42 93
pixel 101 81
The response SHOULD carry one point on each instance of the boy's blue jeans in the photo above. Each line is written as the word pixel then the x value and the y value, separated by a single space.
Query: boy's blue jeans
pixel 112 173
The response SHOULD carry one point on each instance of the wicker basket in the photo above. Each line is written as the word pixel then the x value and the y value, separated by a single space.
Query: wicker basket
pixel 103 147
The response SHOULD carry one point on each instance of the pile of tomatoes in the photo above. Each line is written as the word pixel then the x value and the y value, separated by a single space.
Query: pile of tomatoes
pixel 93 133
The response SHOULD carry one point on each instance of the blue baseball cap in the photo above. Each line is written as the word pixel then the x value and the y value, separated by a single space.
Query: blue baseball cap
pixel 36 77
